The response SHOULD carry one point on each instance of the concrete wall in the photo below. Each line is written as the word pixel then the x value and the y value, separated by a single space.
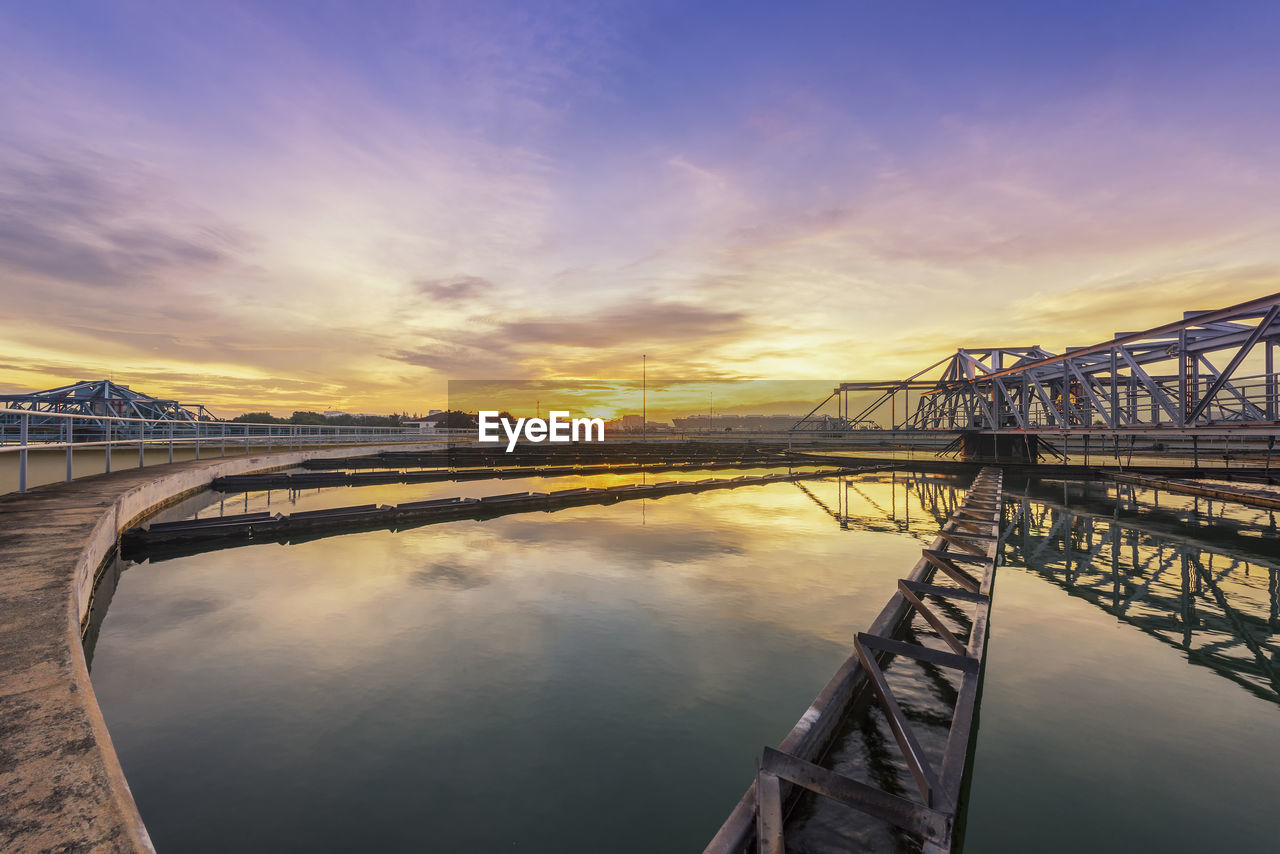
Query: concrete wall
pixel 61 786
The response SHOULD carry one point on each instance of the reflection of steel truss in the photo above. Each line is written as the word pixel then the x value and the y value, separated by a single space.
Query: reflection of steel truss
pixel 1168 587
pixel 101 399
pixel 1201 599
pixel 937 497
pixel 953 574
pixel 1188 376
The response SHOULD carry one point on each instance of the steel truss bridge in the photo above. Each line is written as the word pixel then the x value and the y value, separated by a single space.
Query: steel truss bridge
pixel 97 402
pixel 1213 372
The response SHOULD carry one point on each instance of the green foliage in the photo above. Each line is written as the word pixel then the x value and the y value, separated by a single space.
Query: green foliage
pixel 455 419
pixel 309 418
pixel 320 420
pixel 258 418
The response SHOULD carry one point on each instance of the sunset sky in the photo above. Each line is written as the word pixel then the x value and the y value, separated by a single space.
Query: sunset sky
pixel 341 205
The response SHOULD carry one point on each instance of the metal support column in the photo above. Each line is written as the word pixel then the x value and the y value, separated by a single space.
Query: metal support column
pixel 22 454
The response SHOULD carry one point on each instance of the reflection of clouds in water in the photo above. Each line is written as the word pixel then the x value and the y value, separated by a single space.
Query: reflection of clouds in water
pixel 759 556
pixel 448 575
pixel 625 540
pixel 669 626
pixel 185 609
pixel 283 501
pixel 175 608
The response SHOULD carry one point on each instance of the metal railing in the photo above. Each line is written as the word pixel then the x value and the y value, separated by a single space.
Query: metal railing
pixel 23 431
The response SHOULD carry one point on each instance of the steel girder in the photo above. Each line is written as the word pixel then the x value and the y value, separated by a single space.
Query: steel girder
pixel 100 400
pixel 1212 369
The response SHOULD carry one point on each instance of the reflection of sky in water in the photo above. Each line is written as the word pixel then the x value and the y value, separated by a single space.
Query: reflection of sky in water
pixel 1130 694
pixel 286 501
pixel 1130 697
pixel 548 679
pixel 610 672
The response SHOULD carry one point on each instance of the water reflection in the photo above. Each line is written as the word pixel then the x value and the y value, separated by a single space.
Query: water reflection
pixel 554 680
pixel 1107 720
pixel 543 680
pixel 293 500
pixel 865 749
pixel 1219 604
pixel 1199 574
pixel 1199 577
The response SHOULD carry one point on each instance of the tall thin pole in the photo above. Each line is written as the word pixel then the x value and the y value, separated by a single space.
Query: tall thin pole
pixel 644 397
pixel 22 454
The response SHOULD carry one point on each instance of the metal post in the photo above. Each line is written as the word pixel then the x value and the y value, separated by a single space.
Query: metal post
pixel 197 437
pixel 1195 387
pixel 22 454
pixel 1270 381
pixel 1066 394
pixel 224 439
pixel 107 447
pixel 70 436
pixel 270 430
pixel 644 397
pixel 1184 392
pixel 141 439
pixel 1115 392
pixel 170 441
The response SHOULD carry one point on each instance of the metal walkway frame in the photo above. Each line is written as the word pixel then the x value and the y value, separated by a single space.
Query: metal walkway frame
pixel 966 544
pixel 100 401
pixel 1182 378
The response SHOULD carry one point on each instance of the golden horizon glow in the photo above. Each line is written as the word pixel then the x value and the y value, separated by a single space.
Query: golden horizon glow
pixel 298 209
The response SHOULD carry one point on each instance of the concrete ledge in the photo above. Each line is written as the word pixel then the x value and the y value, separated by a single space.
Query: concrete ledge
pixel 61 786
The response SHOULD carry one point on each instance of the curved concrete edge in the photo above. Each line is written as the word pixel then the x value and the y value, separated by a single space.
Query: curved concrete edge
pixel 61 784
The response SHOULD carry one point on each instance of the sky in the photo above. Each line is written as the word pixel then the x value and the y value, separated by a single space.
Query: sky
pixel 345 205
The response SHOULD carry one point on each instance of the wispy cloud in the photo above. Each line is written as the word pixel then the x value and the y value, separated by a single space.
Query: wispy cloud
pixel 686 335
pixel 84 218
pixel 271 208
pixel 460 289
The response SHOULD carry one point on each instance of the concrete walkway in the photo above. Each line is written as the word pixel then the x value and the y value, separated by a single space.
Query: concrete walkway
pixel 61 786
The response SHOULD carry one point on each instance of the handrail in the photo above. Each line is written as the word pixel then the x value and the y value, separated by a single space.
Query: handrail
pixel 170 433
pixel 6 410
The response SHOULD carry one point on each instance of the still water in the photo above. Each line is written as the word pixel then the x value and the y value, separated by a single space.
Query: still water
pixel 601 678
pixel 594 679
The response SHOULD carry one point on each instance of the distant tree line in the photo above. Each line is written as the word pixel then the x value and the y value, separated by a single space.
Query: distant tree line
pixel 454 419
pixel 321 420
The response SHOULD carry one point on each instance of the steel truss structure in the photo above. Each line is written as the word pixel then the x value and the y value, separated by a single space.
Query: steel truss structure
pixel 101 400
pixel 1183 377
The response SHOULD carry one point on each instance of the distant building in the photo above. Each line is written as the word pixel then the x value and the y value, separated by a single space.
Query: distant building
pixel 342 413
pixel 736 423
pixel 634 425
pixel 435 422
